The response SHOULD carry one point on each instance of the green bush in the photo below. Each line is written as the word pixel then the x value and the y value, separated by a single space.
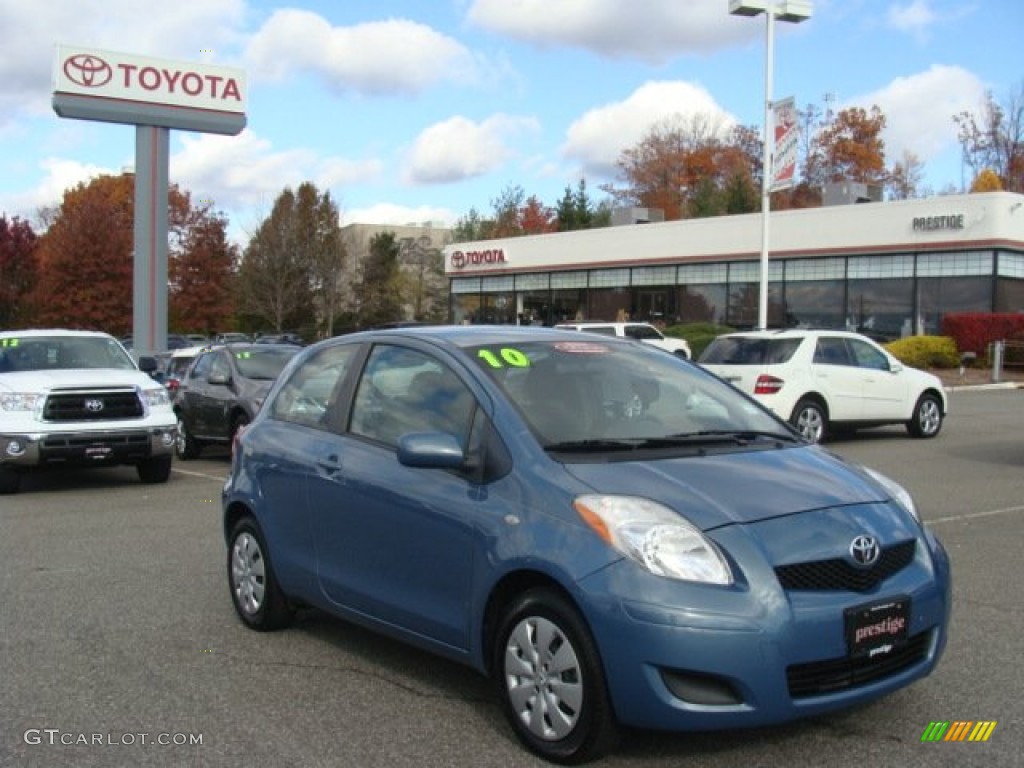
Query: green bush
pixel 698 335
pixel 926 351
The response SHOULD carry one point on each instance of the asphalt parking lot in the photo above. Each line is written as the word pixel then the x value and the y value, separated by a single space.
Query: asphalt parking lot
pixel 119 645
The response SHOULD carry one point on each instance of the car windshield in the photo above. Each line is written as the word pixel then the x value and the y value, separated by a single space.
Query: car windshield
pixel 608 394
pixel 47 353
pixel 264 363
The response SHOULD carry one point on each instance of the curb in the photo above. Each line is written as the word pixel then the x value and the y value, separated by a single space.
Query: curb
pixel 983 387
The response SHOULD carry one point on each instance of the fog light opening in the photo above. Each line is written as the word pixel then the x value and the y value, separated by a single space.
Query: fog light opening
pixel 700 689
pixel 15 448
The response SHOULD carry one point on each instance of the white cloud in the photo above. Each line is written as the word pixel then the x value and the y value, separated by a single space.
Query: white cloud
pixel 459 148
pixel 59 176
pixel 399 215
pixel 919 110
pixel 914 17
pixel 245 170
pixel 654 30
pixel 393 56
pixel 598 138
pixel 29 32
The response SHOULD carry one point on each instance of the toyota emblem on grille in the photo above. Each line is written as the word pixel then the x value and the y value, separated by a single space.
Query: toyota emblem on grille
pixel 864 550
pixel 87 71
pixel 93 405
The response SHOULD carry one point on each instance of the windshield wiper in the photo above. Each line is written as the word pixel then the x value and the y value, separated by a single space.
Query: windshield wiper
pixel 741 436
pixel 597 445
pixel 704 437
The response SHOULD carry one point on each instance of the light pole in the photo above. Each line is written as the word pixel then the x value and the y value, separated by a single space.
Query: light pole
pixel 783 10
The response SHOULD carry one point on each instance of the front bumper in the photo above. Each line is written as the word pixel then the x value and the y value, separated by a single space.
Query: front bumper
pixel 114 446
pixel 697 657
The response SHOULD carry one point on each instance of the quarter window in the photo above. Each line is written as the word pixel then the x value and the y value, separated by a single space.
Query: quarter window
pixel 306 397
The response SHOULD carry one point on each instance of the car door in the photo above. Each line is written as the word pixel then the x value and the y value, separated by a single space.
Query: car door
pixel 398 543
pixel 837 375
pixel 191 392
pixel 216 397
pixel 884 391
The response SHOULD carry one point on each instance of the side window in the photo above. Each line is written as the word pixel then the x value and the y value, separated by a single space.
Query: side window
pixel 869 357
pixel 305 397
pixel 403 390
pixel 642 332
pixel 202 367
pixel 832 351
pixel 219 366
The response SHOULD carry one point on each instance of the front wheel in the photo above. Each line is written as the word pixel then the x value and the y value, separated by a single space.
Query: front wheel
pixel 927 418
pixel 257 596
pixel 154 470
pixel 810 420
pixel 185 446
pixel 550 679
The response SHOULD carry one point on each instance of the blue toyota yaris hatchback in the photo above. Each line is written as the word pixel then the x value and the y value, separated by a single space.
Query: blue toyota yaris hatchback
pixel 613 535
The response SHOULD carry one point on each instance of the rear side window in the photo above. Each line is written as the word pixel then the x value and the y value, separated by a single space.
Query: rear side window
pixel 739 350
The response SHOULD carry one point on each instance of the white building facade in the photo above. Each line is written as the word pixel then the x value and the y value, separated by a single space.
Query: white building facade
pixel 890 269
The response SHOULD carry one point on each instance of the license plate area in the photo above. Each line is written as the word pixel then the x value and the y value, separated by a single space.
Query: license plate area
pixel 877 629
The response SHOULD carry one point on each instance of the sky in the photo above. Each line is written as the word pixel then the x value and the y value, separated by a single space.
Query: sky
pixel 417 111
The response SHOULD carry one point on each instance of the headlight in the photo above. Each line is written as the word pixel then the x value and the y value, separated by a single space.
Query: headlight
pixel 659 539
pixel 898 492
pixel 156 397
pixel 19 401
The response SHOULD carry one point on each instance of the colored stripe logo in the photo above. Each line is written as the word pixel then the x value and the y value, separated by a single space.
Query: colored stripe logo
pixel 959 730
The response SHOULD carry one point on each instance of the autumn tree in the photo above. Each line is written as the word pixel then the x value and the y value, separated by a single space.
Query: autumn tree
pixel 682 165
pixel 425 288
pixel 904 179
pixel 18 270
pixel 994 139
pixel 201 270
pixel 86 255
pixel 381 285
pixel 848 148
pixel 535 218
pixel 987 181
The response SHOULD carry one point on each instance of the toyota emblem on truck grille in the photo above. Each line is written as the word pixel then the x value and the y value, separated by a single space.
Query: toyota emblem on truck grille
pixel 94 405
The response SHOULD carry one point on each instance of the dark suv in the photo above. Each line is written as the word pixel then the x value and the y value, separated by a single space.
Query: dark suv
pixel 223 390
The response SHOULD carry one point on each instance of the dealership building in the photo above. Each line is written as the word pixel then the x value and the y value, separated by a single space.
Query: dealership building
pixel 891 269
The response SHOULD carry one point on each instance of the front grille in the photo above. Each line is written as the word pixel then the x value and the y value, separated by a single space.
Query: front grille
pixel 821 677
pixel 838 574
pixel 93 405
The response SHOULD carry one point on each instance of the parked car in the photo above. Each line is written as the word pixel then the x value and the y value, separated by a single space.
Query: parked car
pixel 222 391
pixel 177 366
pixel 613 534
pixel 77 398
pixel 828 380
pixel 231 337
pixel 644 332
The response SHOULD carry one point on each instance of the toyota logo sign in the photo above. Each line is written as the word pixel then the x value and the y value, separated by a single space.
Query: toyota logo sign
pixel 864 550
pixel 93 405
pixel 462 259
pixel 87 70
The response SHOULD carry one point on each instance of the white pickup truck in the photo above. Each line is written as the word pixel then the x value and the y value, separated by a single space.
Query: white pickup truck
pixel 78 398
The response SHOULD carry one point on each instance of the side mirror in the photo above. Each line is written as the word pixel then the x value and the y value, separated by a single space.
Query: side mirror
pixel 431 450
pixel 147 364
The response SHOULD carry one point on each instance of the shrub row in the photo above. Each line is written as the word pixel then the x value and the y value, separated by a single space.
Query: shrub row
pixel 925 351
pixel 975 331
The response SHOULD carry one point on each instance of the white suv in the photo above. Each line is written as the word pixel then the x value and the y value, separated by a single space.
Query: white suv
pixel 77 398
pixel 820 380
pixel 644 332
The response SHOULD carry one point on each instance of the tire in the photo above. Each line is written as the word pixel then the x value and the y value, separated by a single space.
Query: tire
pixel 810 419
pixel 255 593
pixel 154 470
pixel 186 447
pixel 10 481
pixel 927 418
pixel 567 719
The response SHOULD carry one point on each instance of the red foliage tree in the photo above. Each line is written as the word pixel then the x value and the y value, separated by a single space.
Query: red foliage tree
pixel 18 270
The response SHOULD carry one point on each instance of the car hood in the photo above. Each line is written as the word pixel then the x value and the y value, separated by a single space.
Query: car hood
pixel 716 490
pixel 41 381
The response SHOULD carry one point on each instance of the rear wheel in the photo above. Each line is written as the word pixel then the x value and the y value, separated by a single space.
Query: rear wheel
pixel 810 419
pixel 155 470
pixel 927 418
pixel 550 679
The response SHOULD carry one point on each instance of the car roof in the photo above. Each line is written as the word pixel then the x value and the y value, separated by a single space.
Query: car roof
pixel 471 335
pixel 189 351
pixel 37 332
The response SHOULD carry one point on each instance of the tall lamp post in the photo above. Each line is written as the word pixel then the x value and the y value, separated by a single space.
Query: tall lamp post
pixel 783 10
